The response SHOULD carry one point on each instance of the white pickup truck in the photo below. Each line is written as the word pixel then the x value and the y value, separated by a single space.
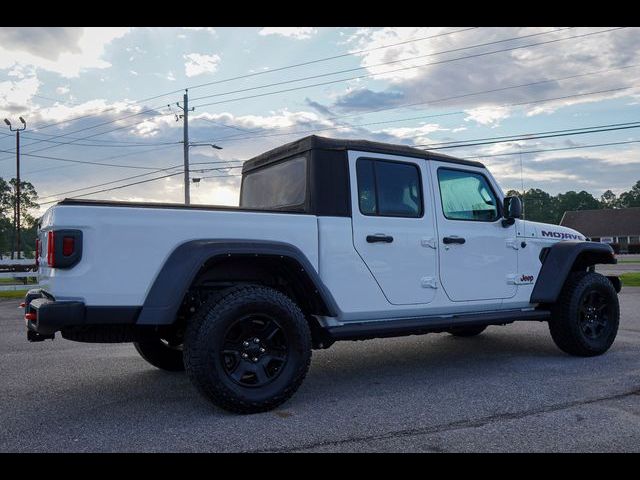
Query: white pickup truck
pixel 333 240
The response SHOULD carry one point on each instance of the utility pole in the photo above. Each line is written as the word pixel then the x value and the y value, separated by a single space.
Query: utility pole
pixel 185 141
pixel 17 204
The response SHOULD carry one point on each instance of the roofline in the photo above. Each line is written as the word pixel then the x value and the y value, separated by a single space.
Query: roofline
pixel 603 209
pixel 315 142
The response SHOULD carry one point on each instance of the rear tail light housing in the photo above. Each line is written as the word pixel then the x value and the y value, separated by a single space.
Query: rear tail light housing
pixel 64 248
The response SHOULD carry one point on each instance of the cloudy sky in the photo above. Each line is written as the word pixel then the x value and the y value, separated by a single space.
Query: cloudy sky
pixel 100 103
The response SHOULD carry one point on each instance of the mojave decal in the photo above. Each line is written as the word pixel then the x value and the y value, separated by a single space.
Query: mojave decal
pixel 562 235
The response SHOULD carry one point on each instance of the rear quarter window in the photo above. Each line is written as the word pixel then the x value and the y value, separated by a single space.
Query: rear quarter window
pixel 280 186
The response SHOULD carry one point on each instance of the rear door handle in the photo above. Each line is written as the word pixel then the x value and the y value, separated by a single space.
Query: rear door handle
pixel 448 240
pixel 379 237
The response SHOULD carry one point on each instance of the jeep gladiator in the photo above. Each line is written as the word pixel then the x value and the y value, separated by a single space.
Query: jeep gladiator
pixel 332 240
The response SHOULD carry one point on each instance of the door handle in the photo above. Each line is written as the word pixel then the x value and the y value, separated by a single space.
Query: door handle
pixel 379 237
pixel 449 240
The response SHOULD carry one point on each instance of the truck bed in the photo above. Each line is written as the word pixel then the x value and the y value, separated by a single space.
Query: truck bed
pixel 125 244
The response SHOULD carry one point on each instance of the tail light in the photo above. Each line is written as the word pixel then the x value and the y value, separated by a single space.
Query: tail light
pixel 51 246
pixel 64 248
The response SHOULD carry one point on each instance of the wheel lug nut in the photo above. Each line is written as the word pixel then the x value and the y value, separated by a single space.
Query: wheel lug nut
pixel 255 359
pixel 256 340
pixel 245 344
pixel 262 350
pixel 244 355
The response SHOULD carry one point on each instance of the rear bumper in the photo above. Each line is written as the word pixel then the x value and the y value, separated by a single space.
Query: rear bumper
pixel 45 316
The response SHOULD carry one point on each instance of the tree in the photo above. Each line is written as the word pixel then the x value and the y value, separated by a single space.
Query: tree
pixel 28 201
pixel 630 198
pixel 539 206
pixel 608 199
pixel 575 201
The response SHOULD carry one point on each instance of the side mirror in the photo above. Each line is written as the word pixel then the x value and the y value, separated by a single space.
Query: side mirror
pixel 512 210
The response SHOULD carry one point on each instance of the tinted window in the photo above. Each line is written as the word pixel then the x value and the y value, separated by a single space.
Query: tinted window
pixel 466 196
pixel 389 188
pixel 276 186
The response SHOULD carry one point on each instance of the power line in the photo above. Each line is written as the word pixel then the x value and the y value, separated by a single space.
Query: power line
pixel 145 111
pixel 278 69
pixel 400 69
pixel 59 159
pixel 127 145
pixel 575 147
pixel 421 117
pixel 531 136
pixel 144 174
pixel 105 158
pixel 89 136
pixel 133 184
pixel 135 102
pixel 381 64
pixel 362 76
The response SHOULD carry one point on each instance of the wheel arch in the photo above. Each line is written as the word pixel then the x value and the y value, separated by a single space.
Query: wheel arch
pixel 561 259
pixel 197 261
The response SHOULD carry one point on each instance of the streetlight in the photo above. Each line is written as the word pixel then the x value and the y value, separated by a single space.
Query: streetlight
pixel 17 205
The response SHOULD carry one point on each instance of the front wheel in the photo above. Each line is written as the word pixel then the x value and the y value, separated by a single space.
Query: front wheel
pixel 248 349
pixel 585 318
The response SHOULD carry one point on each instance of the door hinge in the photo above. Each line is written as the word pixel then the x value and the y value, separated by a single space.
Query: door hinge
pixel 428 242
pixel 512 243
pixel 428 282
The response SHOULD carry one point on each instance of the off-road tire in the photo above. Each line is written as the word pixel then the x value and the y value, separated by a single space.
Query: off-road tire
pixel 206 333
pixel 161 355
pixel 467 331
pixel 567 317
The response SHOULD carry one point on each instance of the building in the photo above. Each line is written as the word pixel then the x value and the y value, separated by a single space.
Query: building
pixel 620 226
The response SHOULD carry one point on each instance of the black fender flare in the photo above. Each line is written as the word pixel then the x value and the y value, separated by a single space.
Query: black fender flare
pixel 559 262
pixel 183 264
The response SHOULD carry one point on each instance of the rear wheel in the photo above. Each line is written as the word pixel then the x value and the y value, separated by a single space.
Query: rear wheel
pixel 248 349
pixel 585 318
pixel 161 354
pixel 467 331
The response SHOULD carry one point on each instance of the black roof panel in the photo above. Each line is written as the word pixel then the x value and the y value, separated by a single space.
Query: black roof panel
pixel 313 142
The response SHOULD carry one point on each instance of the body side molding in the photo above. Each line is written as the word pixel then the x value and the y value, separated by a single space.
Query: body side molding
pixel 183 264
pixel 559 262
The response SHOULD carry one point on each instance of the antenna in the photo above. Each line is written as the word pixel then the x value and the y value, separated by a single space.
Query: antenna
pixel 524 218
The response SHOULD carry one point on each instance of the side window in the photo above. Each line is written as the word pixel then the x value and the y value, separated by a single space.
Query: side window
pixel 389 189
pixel 466 196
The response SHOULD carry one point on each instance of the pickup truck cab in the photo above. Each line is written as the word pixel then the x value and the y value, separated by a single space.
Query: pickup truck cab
pixel 333 240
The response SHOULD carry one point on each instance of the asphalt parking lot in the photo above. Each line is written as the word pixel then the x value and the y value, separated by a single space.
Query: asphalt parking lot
pixel 510 389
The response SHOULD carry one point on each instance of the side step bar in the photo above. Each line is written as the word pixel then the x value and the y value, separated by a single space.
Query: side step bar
pixel 420 325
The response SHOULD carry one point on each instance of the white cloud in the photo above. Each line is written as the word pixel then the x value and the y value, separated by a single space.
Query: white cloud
pixel 69 56
pixel 299 33
pixel 17 94
pixel 487 115
pixel 453 80
pixel 408 132
pixel 197 64
pixel 62 90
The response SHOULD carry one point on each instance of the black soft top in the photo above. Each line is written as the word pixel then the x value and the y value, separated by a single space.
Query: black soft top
pixel 314 142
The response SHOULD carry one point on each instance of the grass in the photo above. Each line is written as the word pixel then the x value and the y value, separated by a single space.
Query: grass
pixel 630 279
pixel 628 261
pixel 13 281
pixel 12 293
